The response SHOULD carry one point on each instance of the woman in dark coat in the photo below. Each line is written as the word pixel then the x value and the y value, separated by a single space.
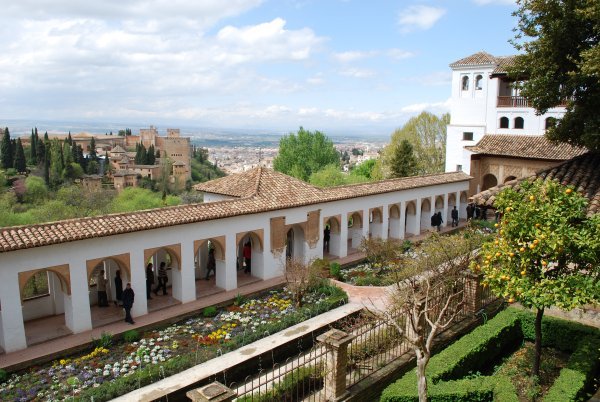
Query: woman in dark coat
pixel 118 288
pixel 128 297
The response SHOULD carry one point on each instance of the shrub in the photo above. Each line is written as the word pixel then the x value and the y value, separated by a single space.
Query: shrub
pixel 210 311
pixel 3 375
pixel 238 301
pixel 131 336
pixel 335 270
pixel 407 245
pixel 105 340
pixel 292 384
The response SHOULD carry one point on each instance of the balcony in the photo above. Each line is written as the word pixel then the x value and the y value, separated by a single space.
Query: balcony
pixel 512 101
pixel 519 101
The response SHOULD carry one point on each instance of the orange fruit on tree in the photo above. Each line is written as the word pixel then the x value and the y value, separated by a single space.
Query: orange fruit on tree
pixel 568 191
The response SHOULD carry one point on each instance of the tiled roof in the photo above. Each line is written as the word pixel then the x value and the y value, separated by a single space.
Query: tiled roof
pixel 117 150
pixel 259 190
pixel 503 64
pixel 580 172
pixel 525 146
pixel 479 58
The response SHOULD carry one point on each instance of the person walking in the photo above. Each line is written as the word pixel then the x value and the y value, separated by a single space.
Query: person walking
pixel 163 278
pixel 118 288
pixel 101 286
pixel 149 280
pixel 211 264
pixel 434 220
pixel 439 221
pixel 247 252
pixel 470 211
pixel 128 296
pixel 454 215
pixel 326 237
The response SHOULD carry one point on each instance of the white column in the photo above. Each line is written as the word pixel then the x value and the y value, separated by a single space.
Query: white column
pixel 462 212
pixel 445 213
pixel 13 328
pixel 402 224
pixel 365 228
pixel 343 252
pixel 138 282
pixel 77 306
pixel 229 279
pixel 385 221
pixel 417 228
pixel 184 281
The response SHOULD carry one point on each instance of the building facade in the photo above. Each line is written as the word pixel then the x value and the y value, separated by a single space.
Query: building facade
pixel 280 216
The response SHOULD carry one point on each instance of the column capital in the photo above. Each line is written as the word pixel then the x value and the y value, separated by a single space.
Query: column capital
pixel 336 338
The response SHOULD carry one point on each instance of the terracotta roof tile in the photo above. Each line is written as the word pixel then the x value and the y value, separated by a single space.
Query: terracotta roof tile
pixel 479 58
pixel 580 172
pixel 525 146
pixel 258 190
pixel 503 64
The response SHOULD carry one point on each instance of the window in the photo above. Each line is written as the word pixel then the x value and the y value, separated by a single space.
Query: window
pixel 550 122
pixel 467 136
pixel 459 168
pixel 465 83
pixel 519 122
pixel 504 122
pixel 479 82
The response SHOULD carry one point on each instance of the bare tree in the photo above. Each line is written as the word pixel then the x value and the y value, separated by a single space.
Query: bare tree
pixel 300 277
pixel 430 293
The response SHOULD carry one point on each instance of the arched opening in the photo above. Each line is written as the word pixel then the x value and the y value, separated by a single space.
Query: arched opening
pixel 504 122
pixel 355 234
pixel 294 243
pixel 332 248
pixel 106 270
pixel 375 223
pixel 209 254
pixel 410 219
pixel 426 213
pixel 451 205
pixel 394 222
pixel 509 178
pixel 44 298
pixel 170 286
pixel 478 82
pixel 489 180
pixel 465 83
pixel 519 122
pixel 462 208
pixel 550 122
pixel 250 260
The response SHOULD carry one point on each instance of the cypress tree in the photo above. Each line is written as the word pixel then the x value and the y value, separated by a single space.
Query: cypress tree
pixel 69 139
pixel 157 156
pixel 6 150
pixel 20 162
pixel 68 172
pixel 47 153
pixel 33 148
pixel 93 155
pixel 143 155
pixel 150 156
pixel 56 164
pixel 46 138
pixel 40 150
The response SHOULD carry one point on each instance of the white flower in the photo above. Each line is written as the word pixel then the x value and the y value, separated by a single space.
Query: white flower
pixel 106 373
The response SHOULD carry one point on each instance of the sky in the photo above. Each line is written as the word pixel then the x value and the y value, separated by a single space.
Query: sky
pixel 329 65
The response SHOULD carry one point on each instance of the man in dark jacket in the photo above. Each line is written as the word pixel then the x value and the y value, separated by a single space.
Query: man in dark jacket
pixel 454 215
pixel 149 280
pixel 128 297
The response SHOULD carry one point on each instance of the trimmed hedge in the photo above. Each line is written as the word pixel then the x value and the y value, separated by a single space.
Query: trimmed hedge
pixel 579 373
pixel 487 343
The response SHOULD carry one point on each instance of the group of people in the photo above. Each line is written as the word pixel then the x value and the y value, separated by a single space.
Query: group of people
pixel 476 212
pixel 437 220
pixel 163 279
pixel 123 297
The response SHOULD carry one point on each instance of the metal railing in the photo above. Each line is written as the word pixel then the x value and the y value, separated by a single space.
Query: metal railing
pixel 512 101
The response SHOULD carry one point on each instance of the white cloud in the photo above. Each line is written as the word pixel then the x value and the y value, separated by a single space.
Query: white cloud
pixel 399 54
pixel 436 78
pixel 345 57
pixel 357 73
pixel 317 79
pixel 419 17
pixel 433 107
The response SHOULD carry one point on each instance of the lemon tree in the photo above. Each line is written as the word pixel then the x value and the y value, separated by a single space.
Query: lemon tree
pixel 545 251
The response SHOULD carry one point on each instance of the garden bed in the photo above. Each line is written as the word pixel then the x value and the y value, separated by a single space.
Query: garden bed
pixel 454 373
pixel 112 369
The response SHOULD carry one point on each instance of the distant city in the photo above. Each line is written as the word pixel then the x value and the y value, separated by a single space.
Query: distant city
pixel 232 150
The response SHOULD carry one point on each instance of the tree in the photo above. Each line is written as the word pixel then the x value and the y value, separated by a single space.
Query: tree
pixel 20 162
pixel 304 153
pixel 369 169
pixel 561 62
pixel 40 150
pixel 402 161
pixel 427 134
pixel 33 147
pixel 56 167
pixel 93 155
pixel 299 277
pixel 546 252
pixel 429 293
pixel 6 153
